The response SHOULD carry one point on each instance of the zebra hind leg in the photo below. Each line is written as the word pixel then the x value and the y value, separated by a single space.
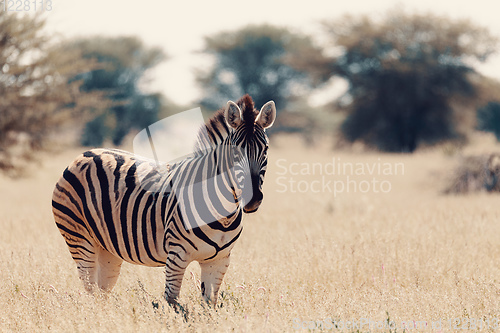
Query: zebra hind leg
pixel 85 256
pixel 108 269
pixel 212 273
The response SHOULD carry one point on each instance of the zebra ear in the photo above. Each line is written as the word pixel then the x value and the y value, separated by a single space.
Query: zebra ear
pixel 232 114
pixel 267 115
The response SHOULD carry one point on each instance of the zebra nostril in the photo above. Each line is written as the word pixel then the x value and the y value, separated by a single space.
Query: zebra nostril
pixel 258 197
pixel 254 204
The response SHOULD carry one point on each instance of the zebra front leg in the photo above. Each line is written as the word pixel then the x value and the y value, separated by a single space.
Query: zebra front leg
pixel 212 273
pixel 174 272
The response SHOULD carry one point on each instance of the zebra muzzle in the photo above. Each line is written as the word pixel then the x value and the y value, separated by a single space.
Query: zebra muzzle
pixel 254 204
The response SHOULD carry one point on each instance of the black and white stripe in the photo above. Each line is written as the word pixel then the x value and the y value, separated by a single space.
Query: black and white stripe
pixel 113 206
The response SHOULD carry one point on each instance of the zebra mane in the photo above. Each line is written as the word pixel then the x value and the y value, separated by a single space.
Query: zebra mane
pixel 216 129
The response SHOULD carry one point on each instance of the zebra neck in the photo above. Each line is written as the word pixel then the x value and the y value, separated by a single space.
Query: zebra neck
pixel 203 187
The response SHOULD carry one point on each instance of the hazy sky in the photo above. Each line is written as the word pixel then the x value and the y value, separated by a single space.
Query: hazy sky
pixel 178 27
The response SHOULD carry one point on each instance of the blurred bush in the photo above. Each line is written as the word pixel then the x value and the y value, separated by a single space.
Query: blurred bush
pixel 476 173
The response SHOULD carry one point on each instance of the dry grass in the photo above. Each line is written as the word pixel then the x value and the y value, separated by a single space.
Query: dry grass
pixel 409 254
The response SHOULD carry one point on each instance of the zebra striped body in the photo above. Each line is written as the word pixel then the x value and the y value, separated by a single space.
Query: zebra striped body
pixel 113 206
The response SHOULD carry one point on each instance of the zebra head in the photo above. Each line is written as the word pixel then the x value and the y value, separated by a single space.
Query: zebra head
pixel 248 138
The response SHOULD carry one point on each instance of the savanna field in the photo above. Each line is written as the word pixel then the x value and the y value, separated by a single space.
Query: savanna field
pixel 379 258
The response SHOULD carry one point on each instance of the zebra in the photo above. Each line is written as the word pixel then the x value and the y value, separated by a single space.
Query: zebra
pixel 113 206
